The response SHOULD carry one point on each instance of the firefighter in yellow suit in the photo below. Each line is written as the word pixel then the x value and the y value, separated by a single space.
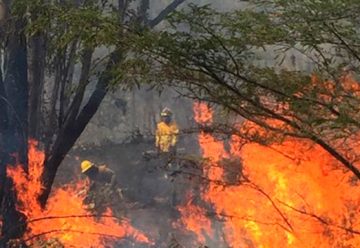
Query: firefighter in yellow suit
pixel 103 190
pixel 166 132
pixel 166 139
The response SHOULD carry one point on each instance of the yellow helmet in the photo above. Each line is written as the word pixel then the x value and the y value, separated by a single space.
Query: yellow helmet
pixel 86 165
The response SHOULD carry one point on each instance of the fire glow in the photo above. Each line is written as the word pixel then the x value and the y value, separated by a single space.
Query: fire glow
pixel 65 217
pixel 292 195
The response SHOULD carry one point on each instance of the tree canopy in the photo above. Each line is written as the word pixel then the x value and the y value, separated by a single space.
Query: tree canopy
pixel 218 57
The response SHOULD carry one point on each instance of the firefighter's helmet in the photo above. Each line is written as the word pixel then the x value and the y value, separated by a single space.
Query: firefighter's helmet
pixel 86 165
pixel 166 112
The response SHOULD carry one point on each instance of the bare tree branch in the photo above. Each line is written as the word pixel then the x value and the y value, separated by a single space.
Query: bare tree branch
pixel 254 186
pixel 321 219
pixel 80 90
pixel 165 12
pixel 14 227
pixel 245 218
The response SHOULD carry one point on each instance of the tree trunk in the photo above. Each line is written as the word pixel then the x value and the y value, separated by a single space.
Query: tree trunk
pixel 14 224
pixel 73 127
pixel 16 87
pixel 3 132
pixel 37 55
pixel 65 85
pixel 14 90
pixel 142 12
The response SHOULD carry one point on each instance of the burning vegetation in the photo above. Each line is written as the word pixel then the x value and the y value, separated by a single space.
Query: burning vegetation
pixel 66 220
pixel 281 171
pixel 287 194
pixel 291 194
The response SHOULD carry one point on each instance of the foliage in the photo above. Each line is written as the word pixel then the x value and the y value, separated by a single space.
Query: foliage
pixel 218 58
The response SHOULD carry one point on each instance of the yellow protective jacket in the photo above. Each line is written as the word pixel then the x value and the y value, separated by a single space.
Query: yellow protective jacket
pixel 166 136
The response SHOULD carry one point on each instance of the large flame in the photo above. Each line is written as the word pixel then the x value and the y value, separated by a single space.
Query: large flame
pixel 289 195
pixel 65 217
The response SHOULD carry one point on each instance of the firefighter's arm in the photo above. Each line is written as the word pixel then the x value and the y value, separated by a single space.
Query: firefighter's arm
pixel 113 179
pixel 174 136
pixel 112 176
pixel 157 137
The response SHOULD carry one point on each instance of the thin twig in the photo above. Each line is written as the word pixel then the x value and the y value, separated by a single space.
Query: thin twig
pixel 320 219
pixel 72 216
pixel 72 231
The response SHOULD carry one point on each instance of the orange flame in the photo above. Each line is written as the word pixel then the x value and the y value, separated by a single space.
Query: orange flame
pixel 194 220
pixel 65 217
pixel 290 195
pixel 211 148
